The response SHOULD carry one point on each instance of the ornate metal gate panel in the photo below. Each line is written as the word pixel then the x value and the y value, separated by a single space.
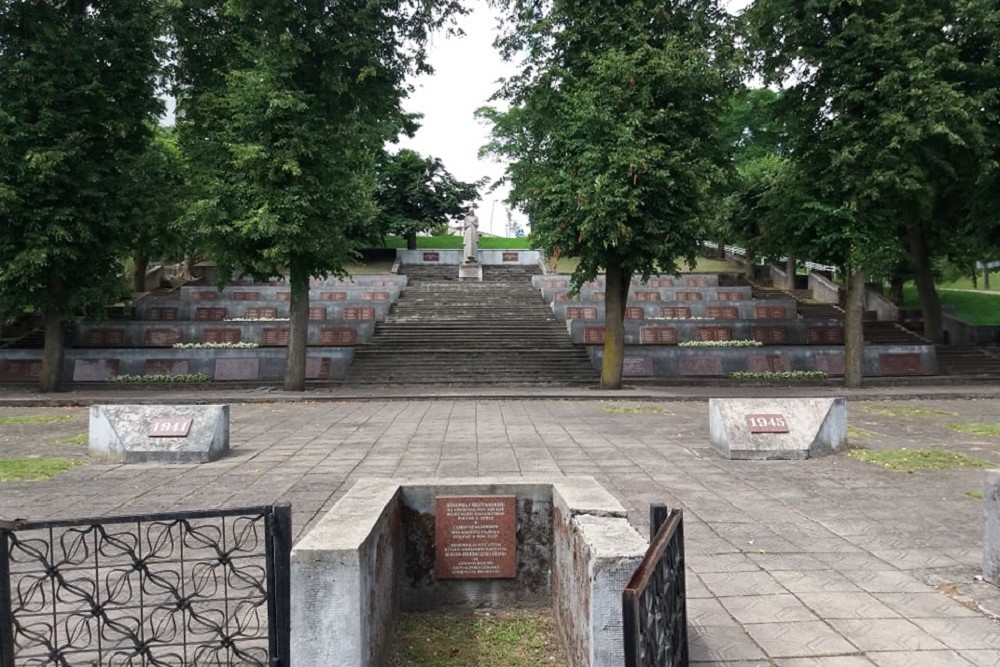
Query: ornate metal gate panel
pixel 173 589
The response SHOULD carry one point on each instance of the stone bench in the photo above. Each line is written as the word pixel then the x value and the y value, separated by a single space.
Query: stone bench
pixel 170 310
pixel 265 334
pixel 773 309
pixel 671 332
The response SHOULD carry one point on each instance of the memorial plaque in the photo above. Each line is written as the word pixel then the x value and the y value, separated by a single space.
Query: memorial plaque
pixel 383 283
pixel 770 335
pixel 691 281
pixel 21 370
pixel 283 295
pixel 728 296
pixel 161 313
pixel 647 296
pixel 901 364
pixel 699 365
pixel 317 314
pixel 635 313
pixel 637 367
pixel 831 364
pixel 564 296
pixel 355 314
pixel 162 337
pixel 333 296
pixel 768 363
pixel 262 313
pixel 94 370
pixel 581 313
pixel 177 427
pixel 828 335
pixel 767 423
pixel 375 296
pixel 475 537
pixel 713 333
pixel 220 336
pixel 687 296
pixel 275 336
pixel 167 366
pixel 555 283
pixel 204 295
pixel 338 336
pixel 722 313
pixel 675 312
pixel 210 314
pixel 661 282
pixel 432 257
pixel 657 336
pixel 593 335
pixel 317 368
pixel 770 312
pixel 237 369
pixel 105 337
pixel 510 257
pixel 246 296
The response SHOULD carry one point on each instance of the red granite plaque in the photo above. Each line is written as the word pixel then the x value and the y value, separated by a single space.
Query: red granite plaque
pixel 510 257
pixel 204 295
pixel 713 333
pixel 317 368
pixel 901 364
pixel 675 312
pixel 767 423
pixel 432 257
pixel 699 365
pixel 162 337
pixel 237 369
pixel 593 335
pixel 167 366
pixel 210 314
pixel 94 370
pixel 161 313
pixel 333 296
pixel 263 313
pixel 635 313
pixel 831 364
pixel 728 296
pixel 274 336
pixel 661 282
pixel 283 295
pixel 657 336
pixel 354 314
pixel 176 427
pixel 722 313
pixel 555 283
pixel 692 281
pixel 564 296
pixel 687 296
pixel 770 335
pixel 220 336
pixel 828 335
pixel 246 296
pixel 637 367
pixel 768 363
pixel 338 336
pixel 581 313
pixel 317 314
pixel 770 312
pixel 475 537
pixel 647 296
pixel 21 370
pixel 105 337
pixel 375 296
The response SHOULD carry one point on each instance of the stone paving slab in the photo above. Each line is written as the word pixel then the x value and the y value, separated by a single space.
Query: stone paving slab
pixel 820 563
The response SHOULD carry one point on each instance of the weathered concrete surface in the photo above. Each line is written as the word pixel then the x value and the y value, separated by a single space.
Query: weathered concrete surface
pixel 122 432
pixel 816 427
pixel 991 526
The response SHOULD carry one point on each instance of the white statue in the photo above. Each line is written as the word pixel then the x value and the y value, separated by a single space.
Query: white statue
pixel 470 234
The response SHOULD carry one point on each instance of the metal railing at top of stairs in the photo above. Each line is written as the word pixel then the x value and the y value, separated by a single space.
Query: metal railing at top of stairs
pixel 742 252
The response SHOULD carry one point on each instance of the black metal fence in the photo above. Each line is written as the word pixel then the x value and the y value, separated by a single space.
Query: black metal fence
pixel 175 589
pixel 654 612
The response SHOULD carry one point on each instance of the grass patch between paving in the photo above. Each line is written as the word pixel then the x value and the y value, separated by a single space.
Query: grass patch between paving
pixel 978 495
pixel 988 429
pixel 857 432
pixel 631 410
pixel 502 639
pixel 905 411
pixel 79 439
pixel 912 460
pixel 31 470
pixel 18 420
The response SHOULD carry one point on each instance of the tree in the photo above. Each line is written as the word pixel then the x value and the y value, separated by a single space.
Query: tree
pixel 415 193
pixel 284 107
pixel 611 136
pixel 76 106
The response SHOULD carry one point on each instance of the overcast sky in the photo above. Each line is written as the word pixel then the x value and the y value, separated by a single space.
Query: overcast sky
pixel 466 72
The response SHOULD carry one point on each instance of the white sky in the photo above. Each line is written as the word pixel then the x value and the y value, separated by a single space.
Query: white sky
pixel 466 73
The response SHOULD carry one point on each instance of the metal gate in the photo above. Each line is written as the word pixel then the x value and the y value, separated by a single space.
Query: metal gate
pixel 171 589
pixel 654 609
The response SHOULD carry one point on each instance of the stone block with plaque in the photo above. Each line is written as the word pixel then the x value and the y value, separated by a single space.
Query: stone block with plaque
pixel 159 433
pixel 777 428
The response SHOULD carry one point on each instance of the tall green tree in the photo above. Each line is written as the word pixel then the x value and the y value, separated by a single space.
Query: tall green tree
pixel 611 134
pixel 77 82
pixel 285 106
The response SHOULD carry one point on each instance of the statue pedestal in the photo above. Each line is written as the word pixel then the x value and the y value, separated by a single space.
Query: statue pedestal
pixel 470 271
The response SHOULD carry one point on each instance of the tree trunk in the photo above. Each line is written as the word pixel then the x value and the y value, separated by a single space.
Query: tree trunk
pixel 896 290
pixel 720 252
pixel 854 337
pixel 615 299
pixel 140 263
pixel 411 240
pixel 790 271
pixel 750 259
pixel 52 356
pixel 930 303
pixel 986 275
pixel 298 329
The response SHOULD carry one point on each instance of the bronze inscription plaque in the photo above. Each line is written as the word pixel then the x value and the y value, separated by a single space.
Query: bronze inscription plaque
pixel 635 313
pixel 475 537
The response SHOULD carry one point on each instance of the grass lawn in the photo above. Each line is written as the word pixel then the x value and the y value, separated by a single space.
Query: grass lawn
pixel 454 242
pixel 972 307
pixel 966 283
pixel 33 419
pixel 912 460
pixel 24 470
pixel 987 429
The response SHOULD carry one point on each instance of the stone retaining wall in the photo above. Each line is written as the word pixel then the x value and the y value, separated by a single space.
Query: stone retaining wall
pixel 670 332
pixel 772 309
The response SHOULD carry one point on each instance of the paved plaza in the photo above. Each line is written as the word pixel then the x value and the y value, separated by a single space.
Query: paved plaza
pixel 831 562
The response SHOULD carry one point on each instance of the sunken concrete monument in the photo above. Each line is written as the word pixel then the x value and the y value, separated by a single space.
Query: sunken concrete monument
pixel 777 428
pixel 159 433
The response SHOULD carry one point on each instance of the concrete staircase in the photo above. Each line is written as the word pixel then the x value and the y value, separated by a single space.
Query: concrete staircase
pixel 442 331
pixel 981 361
